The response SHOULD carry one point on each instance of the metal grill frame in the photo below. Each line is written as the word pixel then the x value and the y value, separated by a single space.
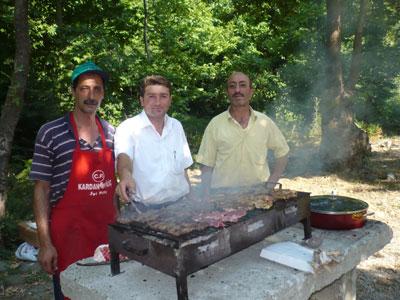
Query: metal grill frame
pixel 180 258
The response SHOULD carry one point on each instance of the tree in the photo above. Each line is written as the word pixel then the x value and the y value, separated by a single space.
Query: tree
pixel 378 96
pixel 343 144
pixel 145 40
pixel 12 106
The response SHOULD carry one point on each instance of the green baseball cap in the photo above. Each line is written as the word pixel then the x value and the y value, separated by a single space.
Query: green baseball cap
pixel 88 67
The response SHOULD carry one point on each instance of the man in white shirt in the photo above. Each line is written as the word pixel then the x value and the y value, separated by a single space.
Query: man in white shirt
pixel 151 149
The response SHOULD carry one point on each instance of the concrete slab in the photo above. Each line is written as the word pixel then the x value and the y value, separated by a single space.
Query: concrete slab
pixel 244 275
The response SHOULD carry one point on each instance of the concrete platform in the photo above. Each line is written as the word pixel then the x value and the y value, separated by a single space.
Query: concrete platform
pixel 244 275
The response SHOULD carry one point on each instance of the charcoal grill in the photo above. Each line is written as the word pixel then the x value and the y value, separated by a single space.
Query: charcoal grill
pixel 180 256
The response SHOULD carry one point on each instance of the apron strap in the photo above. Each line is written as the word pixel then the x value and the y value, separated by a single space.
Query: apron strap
pixel 75 130
pixel 103 137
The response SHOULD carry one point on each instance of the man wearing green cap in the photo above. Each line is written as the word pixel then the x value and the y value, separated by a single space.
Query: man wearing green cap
pixel 73 171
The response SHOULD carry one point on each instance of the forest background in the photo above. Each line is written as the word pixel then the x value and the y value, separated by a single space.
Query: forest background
pixel 196 44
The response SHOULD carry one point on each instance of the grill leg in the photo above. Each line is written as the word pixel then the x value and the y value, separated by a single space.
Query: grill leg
pixel 181 287
pixel 307 227
pixel 114 261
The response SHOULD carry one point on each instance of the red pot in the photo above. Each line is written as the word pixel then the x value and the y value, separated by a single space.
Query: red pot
pixel 337 212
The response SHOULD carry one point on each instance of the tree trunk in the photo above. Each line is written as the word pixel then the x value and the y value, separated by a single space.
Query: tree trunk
pixel 343 145
pixel 145 38
pixel 59 14
pixel 12 106
pixel 357 48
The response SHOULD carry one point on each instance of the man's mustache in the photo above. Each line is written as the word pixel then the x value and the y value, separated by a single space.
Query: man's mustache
pixel 238 94
pixel 90 102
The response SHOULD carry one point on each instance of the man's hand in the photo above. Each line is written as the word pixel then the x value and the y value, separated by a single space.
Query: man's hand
pixel 279 168
pixel 48 259
pixel 126 185
pixel 125 188
pixel 41 208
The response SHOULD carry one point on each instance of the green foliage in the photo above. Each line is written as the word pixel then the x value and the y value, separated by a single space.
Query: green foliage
pixel 7 46
pixel 9 233
pixel 6 253
pixel 373 130
pixel 19 202
pixel 196 44
pixel 20 193
pixel 194 128
pixel 378 96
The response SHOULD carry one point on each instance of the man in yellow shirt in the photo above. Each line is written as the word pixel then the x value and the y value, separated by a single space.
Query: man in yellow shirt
pixel 233 151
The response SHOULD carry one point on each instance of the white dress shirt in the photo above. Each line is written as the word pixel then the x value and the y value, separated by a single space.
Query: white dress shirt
pixel 159 162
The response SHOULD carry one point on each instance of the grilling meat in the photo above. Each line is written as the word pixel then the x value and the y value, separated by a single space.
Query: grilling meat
pixel 263 202
pixel 225 206
pixel 220 218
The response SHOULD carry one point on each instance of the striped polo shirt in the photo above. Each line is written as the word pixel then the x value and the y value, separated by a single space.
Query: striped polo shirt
pixel 52 157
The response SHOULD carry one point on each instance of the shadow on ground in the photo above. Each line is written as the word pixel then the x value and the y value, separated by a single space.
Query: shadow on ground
pixel 381 168
pixel 24 280
pixel 380 283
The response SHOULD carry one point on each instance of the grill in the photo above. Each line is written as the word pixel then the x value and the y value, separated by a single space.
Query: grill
pixel 179 254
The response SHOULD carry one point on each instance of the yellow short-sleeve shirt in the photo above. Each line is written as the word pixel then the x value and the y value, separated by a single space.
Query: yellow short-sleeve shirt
pixel 239 155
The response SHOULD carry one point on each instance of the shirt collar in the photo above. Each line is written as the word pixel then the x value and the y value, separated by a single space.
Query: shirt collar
pixel 145 121
pixel 253 115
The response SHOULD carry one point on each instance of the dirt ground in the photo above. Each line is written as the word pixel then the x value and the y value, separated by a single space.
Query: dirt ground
pixel 378 184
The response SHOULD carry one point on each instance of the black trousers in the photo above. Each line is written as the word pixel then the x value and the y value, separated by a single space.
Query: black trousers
pixel 58 295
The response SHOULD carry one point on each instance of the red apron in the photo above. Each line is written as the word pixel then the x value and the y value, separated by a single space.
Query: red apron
pixel 79 220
